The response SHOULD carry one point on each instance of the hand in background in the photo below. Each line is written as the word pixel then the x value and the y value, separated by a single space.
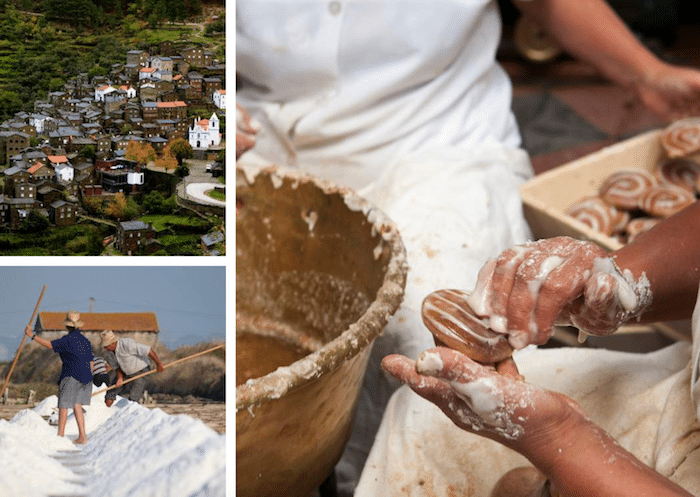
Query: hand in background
pixel 672 92
pixel 245 131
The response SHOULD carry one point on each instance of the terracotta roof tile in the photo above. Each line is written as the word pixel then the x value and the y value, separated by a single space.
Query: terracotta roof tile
pixel 58 158
pixel 35 168
pixel 177 103
pixel 99 321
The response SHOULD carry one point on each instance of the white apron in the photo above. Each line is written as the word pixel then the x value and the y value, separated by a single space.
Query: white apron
pixel 344 89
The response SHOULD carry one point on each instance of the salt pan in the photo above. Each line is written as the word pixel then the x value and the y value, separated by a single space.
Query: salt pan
pixel 131 451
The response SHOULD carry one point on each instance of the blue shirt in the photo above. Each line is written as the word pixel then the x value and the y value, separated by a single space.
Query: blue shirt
pixel 76 354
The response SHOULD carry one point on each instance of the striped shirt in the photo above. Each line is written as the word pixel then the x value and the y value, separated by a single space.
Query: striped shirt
pixel 99 366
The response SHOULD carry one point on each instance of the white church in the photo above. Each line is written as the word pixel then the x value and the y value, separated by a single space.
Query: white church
pixel 205 133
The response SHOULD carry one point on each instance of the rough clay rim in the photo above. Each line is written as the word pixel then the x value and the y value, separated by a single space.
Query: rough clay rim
pixel 359 334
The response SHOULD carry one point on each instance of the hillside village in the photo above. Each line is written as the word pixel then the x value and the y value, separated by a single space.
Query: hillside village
pixel 72 147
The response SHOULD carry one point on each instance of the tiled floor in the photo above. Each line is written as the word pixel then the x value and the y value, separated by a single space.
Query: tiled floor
pixel 573 111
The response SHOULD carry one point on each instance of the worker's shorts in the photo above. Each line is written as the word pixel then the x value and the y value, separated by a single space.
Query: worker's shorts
pixel 72 392
pixel 133 390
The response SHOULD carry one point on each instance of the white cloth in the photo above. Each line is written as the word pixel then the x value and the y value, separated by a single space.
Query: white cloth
pixel 361 84
pixel 131 356
pixel 643 400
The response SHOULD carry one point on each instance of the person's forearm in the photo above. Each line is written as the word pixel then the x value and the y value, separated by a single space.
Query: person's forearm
pixel 43 342
pixel 593 464
pixel 152 354
pixel 669 256
pixel 592 31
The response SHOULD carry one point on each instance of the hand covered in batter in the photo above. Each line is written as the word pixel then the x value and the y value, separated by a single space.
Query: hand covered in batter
pixel 245 131
pixel 529 288
pixel 480 400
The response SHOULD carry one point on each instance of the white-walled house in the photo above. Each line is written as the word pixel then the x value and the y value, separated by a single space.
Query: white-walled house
pixel 219 99
pixel 146 73
pixel 39 122
pixel 64 172
pixel 205 133
pixel 101 91
pixel 135 178
pixel 130 91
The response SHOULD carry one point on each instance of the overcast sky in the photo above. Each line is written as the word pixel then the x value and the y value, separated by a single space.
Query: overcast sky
pixel 189 301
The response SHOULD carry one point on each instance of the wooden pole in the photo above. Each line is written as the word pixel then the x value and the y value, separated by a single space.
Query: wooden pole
pixel 183 359
pixel 21 344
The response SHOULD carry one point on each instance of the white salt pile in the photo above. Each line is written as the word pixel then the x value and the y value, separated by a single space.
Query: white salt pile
pixel 131 451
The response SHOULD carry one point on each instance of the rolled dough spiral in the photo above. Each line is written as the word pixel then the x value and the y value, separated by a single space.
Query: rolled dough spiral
pixel 640 225
pixel 625 188
pixel 452 321
pixel 598 215
pixel 665 200
pixel 682 137
pixel 680 172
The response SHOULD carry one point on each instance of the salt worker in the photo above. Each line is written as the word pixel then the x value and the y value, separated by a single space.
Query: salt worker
pixel 128 358
pixel 589 421
pixel 75 381
pixel 406 103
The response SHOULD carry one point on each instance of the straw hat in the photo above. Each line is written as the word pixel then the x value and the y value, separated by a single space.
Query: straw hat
pixel 108 338
pixel 73 320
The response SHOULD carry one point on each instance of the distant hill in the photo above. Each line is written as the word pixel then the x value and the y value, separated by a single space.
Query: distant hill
pixel 203 376
pixel 45 43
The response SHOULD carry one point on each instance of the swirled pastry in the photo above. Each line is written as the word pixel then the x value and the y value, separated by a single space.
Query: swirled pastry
pixel 598 215
pixel 625 188
pixel 680 172
pixel 639 225
pixel 682 137
pixel 452 322
pixel 665 200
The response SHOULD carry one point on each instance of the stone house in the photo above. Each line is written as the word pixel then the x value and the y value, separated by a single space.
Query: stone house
pixel 196 56
pixel 14 175
pixel 104 144
pixel 209 86
pixel 25 190
pixel 62 213
pixel 149 111
pixel 210 242
pixel 18 210
pixel 137 57
pixel 133 237
pixel 40 172
pixel 13 142
pixel 196 83
pixel 47 194
pixel 141 326
pixel 172 110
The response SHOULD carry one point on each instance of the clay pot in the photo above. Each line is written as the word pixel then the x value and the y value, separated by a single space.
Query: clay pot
pixel 319 271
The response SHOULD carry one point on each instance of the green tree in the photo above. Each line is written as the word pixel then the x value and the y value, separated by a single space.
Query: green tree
pixel 94 242
pixel 182 171
pixel 181 150
pixel 88 152
pixel 35 222
pixel 153 202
